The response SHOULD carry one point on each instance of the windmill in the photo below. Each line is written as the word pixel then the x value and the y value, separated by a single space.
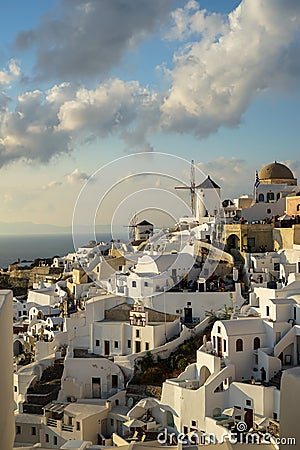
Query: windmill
pixel 192 188
pixel 132 226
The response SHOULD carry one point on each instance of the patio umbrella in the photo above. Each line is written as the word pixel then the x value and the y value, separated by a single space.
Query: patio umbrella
pixel 147 403
pixel 134 423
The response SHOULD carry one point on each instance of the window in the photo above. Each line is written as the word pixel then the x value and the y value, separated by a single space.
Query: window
pixel 16 388
pixel 267 310
pixel 117 402
pixel 270 197
pixel 133 284
pixel 275 417
pixel 251 242
pixel 147 345
pixel 248 402
pixel 97 343
pixel 114 381
pixel 47 437
pixel 146 283
pixel 33 431
pixel 194 423
pixel 120 268
pixel 137 333
pixel 224 345
pixel 54 440
pixel 77 426
pixel 129 343
pixel 70 420
pixel 185 430
pixel 256 343
pixel 269 211
pixel 239 345
pixel 261 198
pixel 298 207
pixel 277 267
pixel 214 341
pixel 116 344
pixel 112 422
pixel 18 429
pixel 219 329
pixel 295 312
pixel 278 196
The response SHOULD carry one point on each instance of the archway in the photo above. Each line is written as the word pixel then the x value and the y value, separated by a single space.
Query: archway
pixel 204 374
pixel 18 347
pixel 233 242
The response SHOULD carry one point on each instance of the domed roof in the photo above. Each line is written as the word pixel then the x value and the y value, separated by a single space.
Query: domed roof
pixel 274 171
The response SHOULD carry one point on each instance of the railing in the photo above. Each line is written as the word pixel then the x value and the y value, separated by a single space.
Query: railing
pixel 67 427
pixel 51 422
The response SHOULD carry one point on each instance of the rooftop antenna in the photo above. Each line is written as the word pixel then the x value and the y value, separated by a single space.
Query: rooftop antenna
pixel 191 187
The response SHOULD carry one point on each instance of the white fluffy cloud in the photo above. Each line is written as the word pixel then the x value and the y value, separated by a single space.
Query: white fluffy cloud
pixel 77 176
pixel 43 125
pixel 11 73
pixel 216 76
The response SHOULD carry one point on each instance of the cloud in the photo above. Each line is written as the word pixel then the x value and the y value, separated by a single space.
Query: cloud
pixel 114 104
pixel 77 176
pixel 52 185
pixel 29 131
pixel 191 21
pixel 79 39
pixel 233 175
pixel 217 74
pixel 10 74
pixel 46 124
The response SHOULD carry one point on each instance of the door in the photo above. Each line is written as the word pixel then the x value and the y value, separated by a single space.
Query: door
pixel 137 346
pixel 96 387
pixel 248 418
pixel 106 348
pixel 219 343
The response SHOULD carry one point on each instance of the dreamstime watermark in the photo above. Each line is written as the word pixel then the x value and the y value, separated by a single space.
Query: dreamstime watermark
pixel 153 185
pixel 239 436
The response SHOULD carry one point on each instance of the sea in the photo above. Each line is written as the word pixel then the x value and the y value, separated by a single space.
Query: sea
pixel 30 247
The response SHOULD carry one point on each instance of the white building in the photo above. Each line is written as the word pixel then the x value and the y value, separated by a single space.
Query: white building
pixel 6 381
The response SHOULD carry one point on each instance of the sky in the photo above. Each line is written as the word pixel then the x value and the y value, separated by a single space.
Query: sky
pixel 85 83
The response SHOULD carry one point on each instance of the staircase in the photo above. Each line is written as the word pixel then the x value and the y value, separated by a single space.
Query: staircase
pixel 275 381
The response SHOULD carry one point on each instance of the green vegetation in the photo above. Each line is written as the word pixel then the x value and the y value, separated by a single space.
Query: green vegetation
pixel 224 314
pixel 155 373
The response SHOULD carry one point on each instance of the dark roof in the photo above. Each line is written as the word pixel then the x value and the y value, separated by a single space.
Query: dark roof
pixel 208 184
pixel 144 222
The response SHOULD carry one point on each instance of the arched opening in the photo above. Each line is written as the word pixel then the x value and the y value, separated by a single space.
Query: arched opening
pixel 233 242
pixel 261 198
pixel 256 343
pixel 298 207
pixel 239 345
pixel 18 348
pixel 204 374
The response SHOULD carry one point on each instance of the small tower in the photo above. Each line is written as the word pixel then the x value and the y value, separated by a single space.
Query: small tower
pixel 138 316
